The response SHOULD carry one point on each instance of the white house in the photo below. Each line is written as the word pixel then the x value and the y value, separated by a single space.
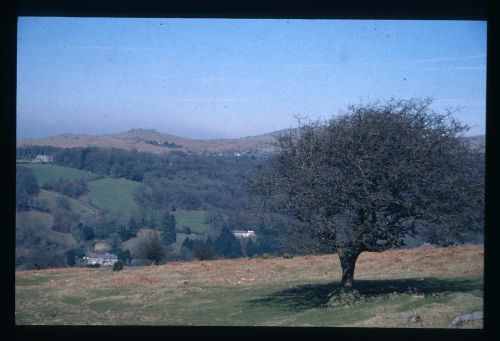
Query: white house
pixel 105 259
pixel 40 158
pixel 243 233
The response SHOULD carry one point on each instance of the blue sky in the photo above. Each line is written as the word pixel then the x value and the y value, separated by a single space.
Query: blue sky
pixel 224 78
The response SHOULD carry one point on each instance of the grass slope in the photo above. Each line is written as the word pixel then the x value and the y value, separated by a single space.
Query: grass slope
pixel 115 195
pixel 45 221
pixel 76 205
pixel 261 292
pixel 132 243
pixel 45 173
pixel 192 219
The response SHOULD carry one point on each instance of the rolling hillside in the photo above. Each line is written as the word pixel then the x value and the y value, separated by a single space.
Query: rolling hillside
pixel 436 284
pixel 76 205
pixel 147 140
pixel 43 223
pixel 113 194
pixel 104 193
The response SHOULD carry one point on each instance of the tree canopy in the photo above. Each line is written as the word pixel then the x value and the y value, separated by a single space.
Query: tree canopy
pixel 150 247
pixel 168 228
pixel 227 245
pixel 26 187
pixel 364 179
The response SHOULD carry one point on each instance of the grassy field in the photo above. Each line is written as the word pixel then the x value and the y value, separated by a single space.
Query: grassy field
pixel 436 284
pixel 192 219
pixel 45 173
pixel 115 195
pixel 109 193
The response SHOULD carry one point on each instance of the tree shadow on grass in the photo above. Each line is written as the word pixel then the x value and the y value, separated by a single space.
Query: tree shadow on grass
pixel 310 296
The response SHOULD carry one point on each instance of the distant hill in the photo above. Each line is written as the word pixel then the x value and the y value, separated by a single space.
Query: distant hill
pixel 477 142
pixel 150 140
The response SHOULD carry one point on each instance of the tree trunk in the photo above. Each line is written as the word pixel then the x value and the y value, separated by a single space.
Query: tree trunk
pixel 348 259
pixel 346 294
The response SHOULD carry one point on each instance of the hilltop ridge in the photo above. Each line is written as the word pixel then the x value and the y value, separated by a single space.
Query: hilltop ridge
pixel 150 140
pixel 153 141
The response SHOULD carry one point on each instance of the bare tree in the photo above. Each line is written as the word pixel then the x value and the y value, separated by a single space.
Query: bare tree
pixel 150 247
pixel 361 181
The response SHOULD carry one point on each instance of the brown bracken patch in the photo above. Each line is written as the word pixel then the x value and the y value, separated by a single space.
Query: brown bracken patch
pixel 449 261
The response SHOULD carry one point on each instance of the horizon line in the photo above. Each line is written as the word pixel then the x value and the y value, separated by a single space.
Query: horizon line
pixel 178 136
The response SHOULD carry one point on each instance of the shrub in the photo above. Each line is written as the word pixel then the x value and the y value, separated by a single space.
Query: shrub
pixel 203 250
pixel 286 255
pixel 124 256
pixel 42 258
pixel 96 265
pixel 118 266
pixel 72 254
pixel 253 248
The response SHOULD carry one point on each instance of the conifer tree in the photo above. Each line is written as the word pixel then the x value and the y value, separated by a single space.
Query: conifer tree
pixel 168 228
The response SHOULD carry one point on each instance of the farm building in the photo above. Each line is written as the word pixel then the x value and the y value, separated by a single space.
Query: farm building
pixel 40 158
pixel 104 259
pixel 243 233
